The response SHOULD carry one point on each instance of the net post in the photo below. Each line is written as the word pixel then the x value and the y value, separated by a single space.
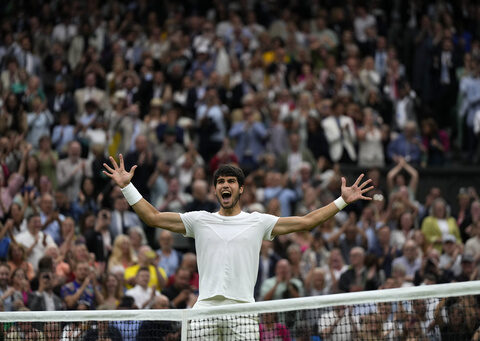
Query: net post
pixel 184 331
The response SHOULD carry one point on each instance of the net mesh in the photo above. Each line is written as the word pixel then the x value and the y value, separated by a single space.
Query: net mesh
pixel 437 312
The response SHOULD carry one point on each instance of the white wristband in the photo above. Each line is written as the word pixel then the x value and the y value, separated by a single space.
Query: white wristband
pixel 340 203
pixel 131 194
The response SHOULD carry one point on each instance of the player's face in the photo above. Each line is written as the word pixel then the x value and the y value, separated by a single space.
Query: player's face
pixel 228 191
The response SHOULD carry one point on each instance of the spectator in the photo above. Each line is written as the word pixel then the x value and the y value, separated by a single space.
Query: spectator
pixel 39 121
pixel 410 260
pixel 337 324
pixel 201 200
pixel 44 299
pixel 137 238
pixel 89 92
pixel 169 257
pixel 70 171
pixel 112 292
pixel 341 135
pixel 5 290
pixel 34 240
pixel 99 240
pixel 63 133
pixel 439 223
pixel 83 292
pixel 451 257
pixel 249 137
pixel 122 218
pixel 472 246
pixel 180 293
pixel 146 258
pixel 141 292
pixel 143 157
pixel 50 218
pixel 210 125
pixel 406 145
pixel 469 270
pixel 17 258
pixel 122 255
pixel 435 143
pixel 282 285
pixel 271 329
pixel 358 277
pixel 370 145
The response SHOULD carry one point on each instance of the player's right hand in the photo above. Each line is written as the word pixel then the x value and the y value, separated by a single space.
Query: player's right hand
pixel 118 173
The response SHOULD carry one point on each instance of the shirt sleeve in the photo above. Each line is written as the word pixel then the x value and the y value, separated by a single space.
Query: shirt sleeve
pixel 269 222
pixel 189 219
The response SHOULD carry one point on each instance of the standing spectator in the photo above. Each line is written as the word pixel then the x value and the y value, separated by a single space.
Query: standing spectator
pixel 39 121
pixel 143 157
pixel 341 135
pixel 51 219
pixel 436 143
pixel 90 93
pixel 99 240
pixel 35 240
pixel 63 133
pixel 70 171
pixel 370 145
pixel 44 299
pixel 210 125
pixel 47 159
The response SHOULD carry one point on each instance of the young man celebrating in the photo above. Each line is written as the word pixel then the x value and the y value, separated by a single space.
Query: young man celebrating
pixel 228 242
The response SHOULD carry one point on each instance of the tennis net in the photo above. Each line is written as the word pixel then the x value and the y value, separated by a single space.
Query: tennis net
pixel 433 312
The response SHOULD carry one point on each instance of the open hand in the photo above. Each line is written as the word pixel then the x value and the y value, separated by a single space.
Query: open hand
pixel 356 191
pixel 118 173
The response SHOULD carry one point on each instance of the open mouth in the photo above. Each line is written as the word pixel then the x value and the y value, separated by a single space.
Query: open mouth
pixel 226 195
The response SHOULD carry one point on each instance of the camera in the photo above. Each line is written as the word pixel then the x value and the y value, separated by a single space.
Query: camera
pixel 46 276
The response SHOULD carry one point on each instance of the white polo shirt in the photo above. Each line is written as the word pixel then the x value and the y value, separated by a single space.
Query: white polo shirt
pixel 228 250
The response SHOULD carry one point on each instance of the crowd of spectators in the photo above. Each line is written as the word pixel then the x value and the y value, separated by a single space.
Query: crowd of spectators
pixel 288 90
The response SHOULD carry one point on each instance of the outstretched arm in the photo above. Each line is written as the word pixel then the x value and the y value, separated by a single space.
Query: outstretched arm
pixel 149 215
pixel 308 222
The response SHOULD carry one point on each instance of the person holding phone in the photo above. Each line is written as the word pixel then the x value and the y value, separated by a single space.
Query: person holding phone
pixel 44 299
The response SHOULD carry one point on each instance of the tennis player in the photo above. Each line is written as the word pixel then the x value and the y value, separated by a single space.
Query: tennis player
pixel 228 242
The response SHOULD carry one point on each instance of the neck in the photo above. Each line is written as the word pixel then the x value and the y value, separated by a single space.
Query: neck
pixel 232 211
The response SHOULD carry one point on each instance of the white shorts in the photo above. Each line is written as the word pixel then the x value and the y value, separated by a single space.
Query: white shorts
pixel 223 328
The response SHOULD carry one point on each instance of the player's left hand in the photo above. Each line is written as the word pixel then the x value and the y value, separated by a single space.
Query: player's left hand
pixel 356 191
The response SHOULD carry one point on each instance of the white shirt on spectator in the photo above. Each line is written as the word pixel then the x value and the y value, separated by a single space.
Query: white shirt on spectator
pixel 27 239
pixel 140 295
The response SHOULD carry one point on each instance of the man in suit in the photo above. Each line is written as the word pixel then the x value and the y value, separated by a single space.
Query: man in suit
pixel 341 136
pixel 61 101
pixel 90 92
pixel 27 60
